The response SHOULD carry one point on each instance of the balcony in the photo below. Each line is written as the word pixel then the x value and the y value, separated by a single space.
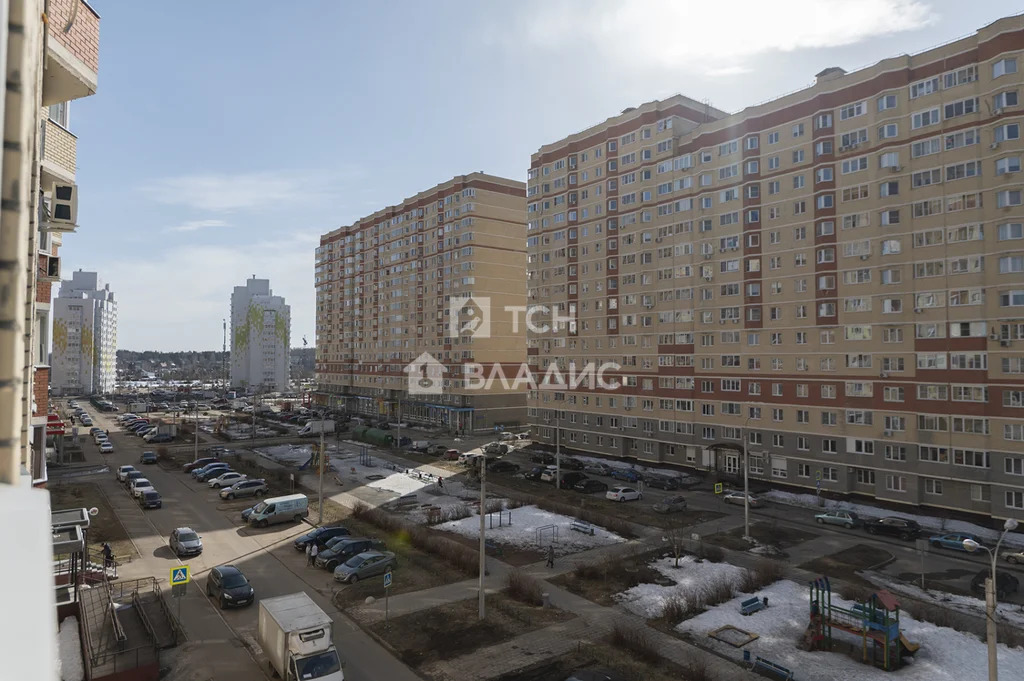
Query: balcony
pixel 60 148
pixel 72 51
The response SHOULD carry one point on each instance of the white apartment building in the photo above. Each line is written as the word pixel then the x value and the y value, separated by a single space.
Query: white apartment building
pixel 260 331
pixel 84 336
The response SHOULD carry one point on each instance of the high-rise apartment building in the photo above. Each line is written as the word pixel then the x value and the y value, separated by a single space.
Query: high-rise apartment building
pixel 415 295
pixel 261 326
pixel 84 337
pixel 832 281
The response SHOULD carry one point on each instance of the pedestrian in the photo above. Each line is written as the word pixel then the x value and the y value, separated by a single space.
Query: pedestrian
pixel 440 483
pixel 309 553
pixel 108 555
pixel 551 555
pixel 312 552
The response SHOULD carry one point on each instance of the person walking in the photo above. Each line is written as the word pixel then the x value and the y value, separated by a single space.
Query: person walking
pixel 309 554
pixel 108 556
pixel 551 555
pixel 312 552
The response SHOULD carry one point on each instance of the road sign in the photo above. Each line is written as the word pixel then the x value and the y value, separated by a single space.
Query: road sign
pixel 719 487
pixel 180 575
pixel 387 579
pixel 818 484
pixel 817 476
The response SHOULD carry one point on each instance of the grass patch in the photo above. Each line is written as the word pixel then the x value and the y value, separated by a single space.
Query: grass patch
pixel 105 526
pixel 599 582
pixel 845 564
pixel 769 533
pixel 454 629
pixel 634 641
pixel 524 588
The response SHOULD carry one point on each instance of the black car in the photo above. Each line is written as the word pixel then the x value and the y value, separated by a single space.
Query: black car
pixel 590 485
pixel 662 482
pixel 1006 583
pixel 893 527
pixel 571 479
pixel 342 549
pixel 150 500
pixel 503 467
pixel 571 464
pixel 148 457
pixel 542 458
pixel 534 473
pixel 229 586
pixel 320 536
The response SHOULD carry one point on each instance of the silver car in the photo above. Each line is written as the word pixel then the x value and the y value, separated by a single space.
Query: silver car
pixel 363 565
pixel 245 488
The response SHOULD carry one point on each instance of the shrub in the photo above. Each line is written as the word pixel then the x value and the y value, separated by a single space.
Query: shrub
pixel 634 640
pixel 715 591
pixel 697 669
pixel 674 611
pixel 763 573
pixel 855 592
pixel 710 552
pixel 590 571
pixel 524 588
pixel 493 506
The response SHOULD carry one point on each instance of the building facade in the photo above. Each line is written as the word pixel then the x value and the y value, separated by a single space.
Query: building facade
pixel 84 360
pixel 413 296
pixel 260 338
pixel 831 282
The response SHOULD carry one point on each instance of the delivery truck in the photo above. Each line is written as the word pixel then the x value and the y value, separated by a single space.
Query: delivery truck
pixel 297 638
pixel 316 427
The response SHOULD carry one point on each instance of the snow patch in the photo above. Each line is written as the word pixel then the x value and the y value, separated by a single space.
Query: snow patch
pixel 648 600
pixel 70 648
pixel 945 654
pixel 400 483
pixel 1006 612
pixel 522 533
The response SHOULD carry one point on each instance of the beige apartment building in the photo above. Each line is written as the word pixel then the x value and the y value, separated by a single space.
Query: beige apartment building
pixel 414 298
pixel 832 281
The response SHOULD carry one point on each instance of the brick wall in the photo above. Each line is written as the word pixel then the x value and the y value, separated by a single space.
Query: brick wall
pixel 41 390
pixel 61 147
pixel 83 40
pixel 43 291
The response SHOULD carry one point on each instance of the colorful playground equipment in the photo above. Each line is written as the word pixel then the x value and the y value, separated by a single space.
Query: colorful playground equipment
pixel 876 620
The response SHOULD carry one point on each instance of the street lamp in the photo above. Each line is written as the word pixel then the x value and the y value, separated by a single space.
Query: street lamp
pixel 746 479
pixel 990 595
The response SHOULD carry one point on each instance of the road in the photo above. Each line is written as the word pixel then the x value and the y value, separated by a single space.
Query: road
pixel 227 647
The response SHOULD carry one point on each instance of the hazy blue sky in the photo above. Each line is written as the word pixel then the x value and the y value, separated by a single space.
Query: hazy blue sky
pixel 226 136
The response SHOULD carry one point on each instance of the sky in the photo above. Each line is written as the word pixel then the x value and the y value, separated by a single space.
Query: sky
pixel 226 137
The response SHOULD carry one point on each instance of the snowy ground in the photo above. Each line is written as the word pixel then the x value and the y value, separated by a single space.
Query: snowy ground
pixel 69 647
pixel 927 522
pixel 622 465
pixel 945 654
pixel 1007 612
pixel 522 533
pixel 648 600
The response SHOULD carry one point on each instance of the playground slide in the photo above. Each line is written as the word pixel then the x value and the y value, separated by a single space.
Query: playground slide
pixel 908 646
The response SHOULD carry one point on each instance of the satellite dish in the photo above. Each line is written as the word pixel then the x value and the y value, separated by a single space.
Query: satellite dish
pixel 94 511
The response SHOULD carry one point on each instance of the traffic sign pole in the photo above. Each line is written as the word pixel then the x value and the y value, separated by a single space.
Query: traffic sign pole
pixel 387 589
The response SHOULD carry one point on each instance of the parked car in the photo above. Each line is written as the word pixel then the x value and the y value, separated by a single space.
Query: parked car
pixel 363 565
pixel 496 448
pixel 542 458
pixel 132 475
pixel 597 469
pixel 160 438
pixel 450 455
pixel 590 485
pixel 503 467
pixel 106 447
pixel 320 536
pixel 437 450
pixel 148 457
pixel 196 472
pixel 245 488
pixel 670 505
pixel 246 512
pixel 150 498
pixel 1014 556
pixel 1006 583
pixel 666 482
pixel 225 479
pixel 847 519
pixel 186 542
pixel 199 463
pixel 123 471
pixel 623 494
pixel 549 474
pixel 229 586
pixel 892 526
pixel 570 479
pixel 571 464
pixel 627 474
pixel 953 541
pixel 534 473
pixel 737 498
pixel 140 485
pixel 341 549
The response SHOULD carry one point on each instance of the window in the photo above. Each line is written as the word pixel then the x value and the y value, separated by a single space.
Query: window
pixel 58 113
pixel 1010 131
pixel 961 108
pixel 1002 100
pixel 886 102
pixel 1008 197
pixel 1011 230
pixel 932 486
pixel 924 118
pixel 1014 499
pixel 1003 67
pixel 896 483
pixel 888 131
pixel 1010 164
pixel 850 111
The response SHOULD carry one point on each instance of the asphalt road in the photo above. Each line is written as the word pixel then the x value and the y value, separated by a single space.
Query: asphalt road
pixel 227 647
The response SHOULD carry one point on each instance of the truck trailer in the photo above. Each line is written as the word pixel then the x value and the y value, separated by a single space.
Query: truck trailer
pixel 297 638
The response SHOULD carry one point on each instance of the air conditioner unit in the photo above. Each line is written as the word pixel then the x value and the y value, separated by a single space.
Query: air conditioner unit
pixel 864 257
pixel 707 256
pixel 994 145
pixel 884 374
pixel 917 310
pixel 61 210
pixel 994 336
pixel 1004 343
pixel 735 321
pixel 843 148
pixel 887 433
pixel 895 169
pixel 997 110
pixel 721 321
pixel 735 248
pixel 658 240
pixel 708 278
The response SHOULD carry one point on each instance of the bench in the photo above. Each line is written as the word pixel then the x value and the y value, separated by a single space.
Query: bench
pixel 771 668
pixel 751 605
pixel 580 526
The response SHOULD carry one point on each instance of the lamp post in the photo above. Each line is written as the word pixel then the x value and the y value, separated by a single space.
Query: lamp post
pixel 195 451
pixel 322 460
pixel 746 481
pixel 990 596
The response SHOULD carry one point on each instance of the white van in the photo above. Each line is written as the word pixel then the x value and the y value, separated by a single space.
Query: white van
pixel 280 510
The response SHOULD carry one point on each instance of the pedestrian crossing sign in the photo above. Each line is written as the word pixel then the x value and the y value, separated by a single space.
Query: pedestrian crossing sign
pixel 718 488
pixel 180 575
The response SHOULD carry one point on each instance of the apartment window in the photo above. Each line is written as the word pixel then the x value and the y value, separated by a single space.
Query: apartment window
pixel 888 131
pixel 803 470
pixel 932 486
pixel 1014 499
pixel 1010 131
pixel 1004 67
pixel 895 452
pixel 886 102
pixel 925 118
pixel 896 483
pixel 798 129
pixel 58 113
pixel 1008 197
pixel 1004 99
pixel 1010 164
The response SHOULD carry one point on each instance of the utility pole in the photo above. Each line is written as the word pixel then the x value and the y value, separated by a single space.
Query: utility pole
pixel 746 479
pixel 399 443
pixel 224 358
pixel 558 453
pixel 323 462
pixel 195 453
pixel 483 543
pixel 255 403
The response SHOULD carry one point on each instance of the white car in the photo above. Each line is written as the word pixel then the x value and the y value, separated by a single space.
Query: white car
pixel 123 472
pixel 226 479
pixel 106 447
pixel 140 485
pixel 549 474
pixel 623 494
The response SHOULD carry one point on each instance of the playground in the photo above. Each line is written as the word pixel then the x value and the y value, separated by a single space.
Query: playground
pixel 792 632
